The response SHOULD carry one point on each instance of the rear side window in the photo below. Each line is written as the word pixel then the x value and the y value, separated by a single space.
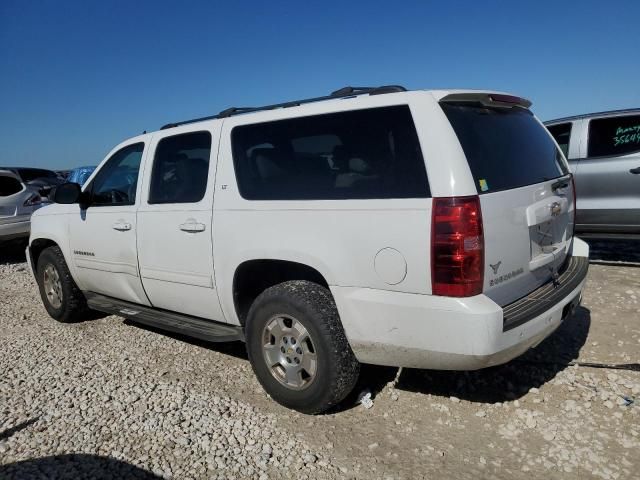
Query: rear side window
pixel 9 186
pixel 506 147
pixel 614 136
pixel 562 134
pixel 180 168
pixel 362 154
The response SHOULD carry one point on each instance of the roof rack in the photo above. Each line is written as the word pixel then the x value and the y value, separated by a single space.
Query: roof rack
pixel 340 93
pixel 593 114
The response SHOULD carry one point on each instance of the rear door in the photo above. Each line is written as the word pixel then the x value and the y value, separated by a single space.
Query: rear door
pixel 175 223
pixel 525 194
pixel 608 176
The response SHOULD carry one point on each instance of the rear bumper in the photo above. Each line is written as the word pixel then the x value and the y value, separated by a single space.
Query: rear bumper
pixel 425 331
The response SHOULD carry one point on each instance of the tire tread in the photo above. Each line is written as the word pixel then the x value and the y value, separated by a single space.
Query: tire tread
pixel 316 298
pixel 74 306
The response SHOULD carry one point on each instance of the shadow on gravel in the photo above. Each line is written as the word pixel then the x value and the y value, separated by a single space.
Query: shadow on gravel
pixel 21 426
pixel 372 378
pixel 73 466
pixel 490 385
pixel 12 252
pixel 504 382
pixel 235 349
pixel 616 252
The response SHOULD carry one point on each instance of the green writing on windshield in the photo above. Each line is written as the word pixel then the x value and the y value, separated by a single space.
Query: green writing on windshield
pixel 626 135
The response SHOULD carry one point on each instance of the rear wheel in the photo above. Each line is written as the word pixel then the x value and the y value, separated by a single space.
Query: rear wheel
pixel 298 348
pixel 60 295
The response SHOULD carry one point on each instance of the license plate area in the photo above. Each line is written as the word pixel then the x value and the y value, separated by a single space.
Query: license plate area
pixel 544 238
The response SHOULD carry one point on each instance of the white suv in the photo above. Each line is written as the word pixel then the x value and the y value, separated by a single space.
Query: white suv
pixel 428 229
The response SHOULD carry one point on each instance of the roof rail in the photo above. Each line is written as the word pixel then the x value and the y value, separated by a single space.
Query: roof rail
pixel 340 93
pixel 593 114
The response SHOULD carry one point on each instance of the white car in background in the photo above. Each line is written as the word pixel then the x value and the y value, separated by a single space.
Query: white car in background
pixel 17 202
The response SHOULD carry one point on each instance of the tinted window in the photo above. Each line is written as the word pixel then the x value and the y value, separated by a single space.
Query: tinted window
pixel 180 168
pixel 9 186
pixel 371 153
pixel 562 134
pixel 116 182
pixel 614 136
pixel 505 147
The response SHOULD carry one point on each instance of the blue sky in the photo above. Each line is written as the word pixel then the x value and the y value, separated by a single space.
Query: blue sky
pixel 78 77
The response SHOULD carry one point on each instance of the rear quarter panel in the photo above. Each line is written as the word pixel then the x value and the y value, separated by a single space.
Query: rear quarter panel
pixel 339 238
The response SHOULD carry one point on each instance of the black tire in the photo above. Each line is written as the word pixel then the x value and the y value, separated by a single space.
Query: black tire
pixel 73 303
pixel 313 306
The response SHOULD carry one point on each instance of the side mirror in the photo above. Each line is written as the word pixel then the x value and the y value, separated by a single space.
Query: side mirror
pixel 67 193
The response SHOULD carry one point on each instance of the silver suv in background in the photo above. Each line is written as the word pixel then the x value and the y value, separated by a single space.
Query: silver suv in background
pixel 17 202
pixel 603 150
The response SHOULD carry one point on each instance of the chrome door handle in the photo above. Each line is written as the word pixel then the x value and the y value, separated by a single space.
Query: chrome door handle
pixel 635 171
pixel 192 227
pixel 121 226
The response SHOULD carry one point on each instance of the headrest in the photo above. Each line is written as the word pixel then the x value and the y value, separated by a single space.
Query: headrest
pixel 358 165
pixel 268 162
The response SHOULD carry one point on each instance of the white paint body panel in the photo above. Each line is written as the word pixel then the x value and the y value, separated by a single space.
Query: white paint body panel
pixel 177 266
pixel 425 331
pixel 105 259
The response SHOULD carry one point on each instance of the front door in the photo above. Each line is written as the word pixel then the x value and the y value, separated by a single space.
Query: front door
pixel 102 236
pixel 175 224
pixel 608 176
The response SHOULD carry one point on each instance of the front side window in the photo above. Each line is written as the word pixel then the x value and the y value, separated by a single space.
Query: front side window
pixel 614 136
pixel 9 186
pixel 117 180
pixel 180 168
pixel 562 134
pixel 361 154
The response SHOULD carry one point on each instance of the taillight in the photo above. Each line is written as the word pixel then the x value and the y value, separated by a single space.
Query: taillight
pixel 457 247
pixel 33 200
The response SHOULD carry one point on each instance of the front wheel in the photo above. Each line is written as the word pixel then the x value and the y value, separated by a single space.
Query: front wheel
pixel 60 295
pixel 298 348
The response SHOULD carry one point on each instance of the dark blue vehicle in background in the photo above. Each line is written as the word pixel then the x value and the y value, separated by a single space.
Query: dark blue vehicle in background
pixel 80 175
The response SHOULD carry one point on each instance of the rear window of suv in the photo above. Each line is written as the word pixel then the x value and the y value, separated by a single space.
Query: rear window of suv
pixel 360 154
pixel 506 147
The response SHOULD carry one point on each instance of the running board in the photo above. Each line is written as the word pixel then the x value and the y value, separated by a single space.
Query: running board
pixel 208 330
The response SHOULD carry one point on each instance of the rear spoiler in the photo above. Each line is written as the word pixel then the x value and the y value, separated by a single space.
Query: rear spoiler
pixel 487 99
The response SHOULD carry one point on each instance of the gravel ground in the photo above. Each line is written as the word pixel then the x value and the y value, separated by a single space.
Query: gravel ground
pixel 106 398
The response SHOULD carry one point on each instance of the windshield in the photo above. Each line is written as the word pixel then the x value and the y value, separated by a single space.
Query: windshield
pixel 506 147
